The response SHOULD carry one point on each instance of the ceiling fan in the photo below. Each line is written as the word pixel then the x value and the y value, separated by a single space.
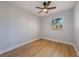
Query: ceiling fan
pixel 46 7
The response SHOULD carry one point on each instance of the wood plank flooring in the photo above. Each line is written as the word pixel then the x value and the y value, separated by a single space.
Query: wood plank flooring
pixel 42 48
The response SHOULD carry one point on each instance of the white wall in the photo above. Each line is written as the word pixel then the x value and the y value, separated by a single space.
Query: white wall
pixel 76 25
pixel 64 35
pixel 17 26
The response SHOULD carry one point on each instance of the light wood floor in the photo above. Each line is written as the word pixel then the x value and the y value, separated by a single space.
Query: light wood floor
pixel 42 48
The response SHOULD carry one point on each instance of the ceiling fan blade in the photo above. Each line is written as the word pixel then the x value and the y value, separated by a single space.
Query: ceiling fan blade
pixel 51 8
pixel 48 3
pixel 39 7
pixel 40 11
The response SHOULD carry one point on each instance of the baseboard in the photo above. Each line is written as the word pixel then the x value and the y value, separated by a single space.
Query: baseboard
pixel 77 51
pixel 11 48
pixel 57 40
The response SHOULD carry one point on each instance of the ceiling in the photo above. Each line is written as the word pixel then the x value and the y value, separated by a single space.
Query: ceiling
pixel 30 6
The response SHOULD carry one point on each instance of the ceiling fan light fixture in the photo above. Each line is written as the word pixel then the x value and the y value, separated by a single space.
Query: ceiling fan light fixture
pixel 44 10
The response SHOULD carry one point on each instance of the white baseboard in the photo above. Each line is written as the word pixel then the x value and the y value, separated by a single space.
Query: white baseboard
pixel 57 40
pixel 14 47
pixel 77 51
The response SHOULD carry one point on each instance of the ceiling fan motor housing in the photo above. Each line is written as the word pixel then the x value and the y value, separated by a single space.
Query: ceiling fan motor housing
pixel 44 3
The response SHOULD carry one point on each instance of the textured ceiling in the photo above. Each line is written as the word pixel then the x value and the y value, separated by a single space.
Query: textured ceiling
pixel 30 6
